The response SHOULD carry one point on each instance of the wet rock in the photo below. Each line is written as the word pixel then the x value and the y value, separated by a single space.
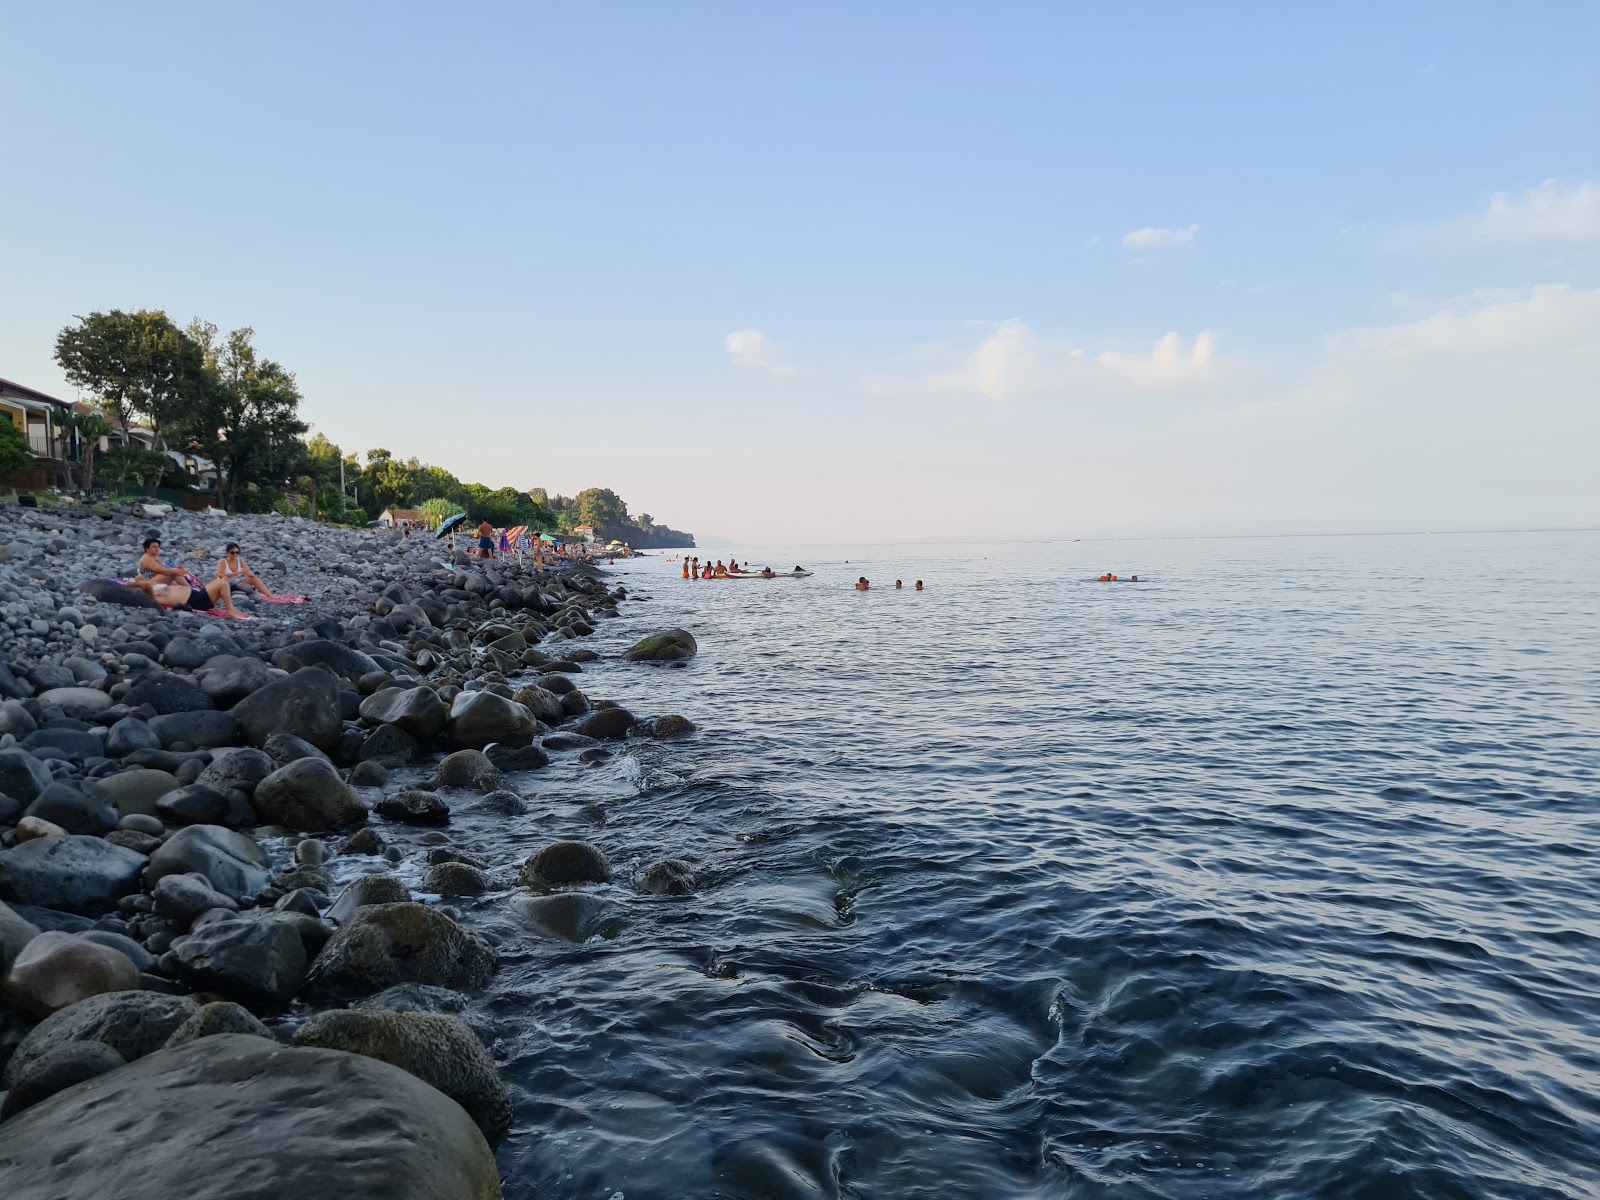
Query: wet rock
pixel 182 898
pixel 414 808
pixel 363 841
pixel 234 1117
pixel 468 769
pixel 199 729
pixel 479 718
pixel 308 795
pixel 167 693
pixel 606 723
pixel 55 970
pixel 671 726
pixel 67 1065
pixel 196 804
pixel 667 877
pixel 73 810
pixel 544 703
pixel 183 654
pixel 666 645
pixel 369 774
pixel 345 661
pixel 566 862
pixel 22 776
pixel 418 711
pixel 369 889
pixel 438 1049
pixel 129 735
pixel 131 1023
pixel 385 944
pixel 305 705
pixel 456 879
pixel 229 678
pixel 141 958
pixel 80 702
pixel 219 1016
pixel 389 745
pixel 285 748
pixel 257 961
pixel 501 804
pixel 232 862
pixel 519 758
pixel 75 874
pixel 571 916
pixel 30 828
pixel 574 704
pixel 241 767
pixel 137 790
pixel 15 933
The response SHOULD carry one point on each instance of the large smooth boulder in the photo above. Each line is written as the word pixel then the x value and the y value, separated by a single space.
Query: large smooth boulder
pixel 56 969
pixel 478 718
pixel 75 811
pixel 456 879
pixel 665 645
pixel 183 897
pixel 418 711
pixel 414 807
pixel 566 862
pixel 235 1117
pixel 468 769
pixel 201 729
pixel 305 705
pixel 255 961
pixel 345 661
pixel 22 776
pixel 219 1016
pixel 229 678
pixel 109 591
pixel 129 735
pixel 75 874
pixel 308 795
pixel 135 791
pixel 439 1049
pixel 571 916
pixel 543 702
pixel 167 693
pixel 131 1023
pixel 380 888
pixel 242 767
pixel 233 863
pixel 16 720
pixel 196 804
pixel 605 723
pixel 284 748
pixel 63 1067
pixel 84 703
pixel 15 933
pixel 381 945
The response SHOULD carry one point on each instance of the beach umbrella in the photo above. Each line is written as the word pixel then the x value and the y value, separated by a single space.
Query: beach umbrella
pixel 451 524
pixel 545 537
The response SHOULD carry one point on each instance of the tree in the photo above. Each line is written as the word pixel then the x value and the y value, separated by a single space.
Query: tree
pixel 320 465
pixel 14 456
pixel 248 419
pixel 136 364
pixel 603 509
pixel 437 510
pixel 89 428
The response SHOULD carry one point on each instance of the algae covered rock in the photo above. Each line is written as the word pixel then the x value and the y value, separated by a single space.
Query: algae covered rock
pixel 666 645
pixel 381 945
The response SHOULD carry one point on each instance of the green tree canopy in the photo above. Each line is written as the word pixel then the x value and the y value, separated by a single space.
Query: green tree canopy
pixel 136 364
pixel 14 456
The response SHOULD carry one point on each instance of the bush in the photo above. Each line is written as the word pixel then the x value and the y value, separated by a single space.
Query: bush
pixel 14 456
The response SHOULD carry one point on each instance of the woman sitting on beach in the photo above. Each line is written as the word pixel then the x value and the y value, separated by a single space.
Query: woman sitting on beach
pixel 181 595
pixel 150 564
pixel 236 571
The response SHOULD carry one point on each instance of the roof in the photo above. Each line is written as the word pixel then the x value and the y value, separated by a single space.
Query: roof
pixel 28 393
pixel 403 514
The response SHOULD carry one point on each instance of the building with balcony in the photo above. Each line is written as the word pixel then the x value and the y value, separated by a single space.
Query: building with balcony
pixel 38 414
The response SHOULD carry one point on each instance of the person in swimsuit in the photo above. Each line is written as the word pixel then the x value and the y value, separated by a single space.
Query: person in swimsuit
pixel 862 584
pixel 236 571
pixel 898 585
pixel 485 540
pixel 181 595
pixel 767 573
pixel 151 565
pixel 919 585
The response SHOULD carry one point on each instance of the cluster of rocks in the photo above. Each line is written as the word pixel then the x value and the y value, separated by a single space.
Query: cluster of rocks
pixel 176 961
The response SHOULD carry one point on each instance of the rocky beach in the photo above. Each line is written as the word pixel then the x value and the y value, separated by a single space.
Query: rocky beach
pixel 240 938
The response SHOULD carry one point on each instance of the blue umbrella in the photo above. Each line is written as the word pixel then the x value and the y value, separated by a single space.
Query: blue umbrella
pixel 451 524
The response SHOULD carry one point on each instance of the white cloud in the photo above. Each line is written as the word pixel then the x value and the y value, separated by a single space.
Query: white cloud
pixel 1013 361
pixel 1150 238
pixel 1485 322
pixel 752 348
pixel 1549 213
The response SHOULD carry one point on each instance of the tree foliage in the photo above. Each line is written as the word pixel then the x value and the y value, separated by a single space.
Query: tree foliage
pixel 88 428
pixel 14 456
pixel 137 365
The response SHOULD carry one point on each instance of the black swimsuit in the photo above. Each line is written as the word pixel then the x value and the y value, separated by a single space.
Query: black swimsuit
pixel 199 600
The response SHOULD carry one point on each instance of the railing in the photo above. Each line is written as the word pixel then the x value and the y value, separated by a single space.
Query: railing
pixel 41 445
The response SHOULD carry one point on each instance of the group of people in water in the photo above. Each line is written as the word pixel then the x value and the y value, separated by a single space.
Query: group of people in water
pixel 174 587
pixel 865 585
pixel 1108 577
pixel 693 570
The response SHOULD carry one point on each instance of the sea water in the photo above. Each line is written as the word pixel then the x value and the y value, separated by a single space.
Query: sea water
pixel 1274 874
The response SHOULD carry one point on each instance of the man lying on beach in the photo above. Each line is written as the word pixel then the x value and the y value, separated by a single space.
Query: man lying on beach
pixel 236 571
pixel 181 595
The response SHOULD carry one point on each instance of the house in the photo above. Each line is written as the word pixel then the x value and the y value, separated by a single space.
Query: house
pixel 396 518
pixel 35 413
pixel 586 532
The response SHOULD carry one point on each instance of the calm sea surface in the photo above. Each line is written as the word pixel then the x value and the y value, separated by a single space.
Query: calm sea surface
pixel 1277 875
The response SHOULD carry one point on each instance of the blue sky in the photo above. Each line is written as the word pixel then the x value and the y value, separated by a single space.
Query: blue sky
pixel 823 271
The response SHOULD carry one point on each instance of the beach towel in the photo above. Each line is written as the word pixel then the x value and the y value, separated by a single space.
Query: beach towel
pixel 284 599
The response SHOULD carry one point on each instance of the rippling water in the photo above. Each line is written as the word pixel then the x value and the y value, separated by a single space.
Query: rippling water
pixel 1274 875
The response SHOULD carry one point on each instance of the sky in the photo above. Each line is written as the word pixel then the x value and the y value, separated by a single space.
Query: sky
pixel 822 272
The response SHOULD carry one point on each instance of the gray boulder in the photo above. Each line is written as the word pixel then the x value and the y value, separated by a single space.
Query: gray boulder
pixel 241 767
pixel 75 874
pixel 196 804
pixel 456 879
pixel 15 933
pixel 666 645
pixel 135 791
pixel 182 898
pixel 261 961
pixel 414 807
pixel 183 654
pixel 571 916
pixel 131 1023
pixel 234 1117
pixel 385 944
pixel 131 734
pixel 345 661
pixel 605 723
pixel 16 720
pixel 83 703
pixel 566 862
pixel 671 726
pixel 284 748
pixel 305 705
pixel 308 795
pixel 65 1066
pixel 381 888
pixel 73 810
pixel 233 863
pixel 229 678
pixel 478 718
pixel 22 776
pixel 468 769
pixel 219 1016
pixel 666 877
pixel 418 711
pixel 202 729
pixel 440 1050
pixel 167 693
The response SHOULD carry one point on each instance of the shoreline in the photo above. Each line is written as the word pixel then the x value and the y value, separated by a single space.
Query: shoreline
pixel 179 794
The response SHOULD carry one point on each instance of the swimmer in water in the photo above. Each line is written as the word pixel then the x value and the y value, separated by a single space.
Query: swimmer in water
pixel 898 585
pixel 919 585
pixel 862 584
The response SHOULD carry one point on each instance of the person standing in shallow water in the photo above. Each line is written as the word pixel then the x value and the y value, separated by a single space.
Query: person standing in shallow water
pixel 862 585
